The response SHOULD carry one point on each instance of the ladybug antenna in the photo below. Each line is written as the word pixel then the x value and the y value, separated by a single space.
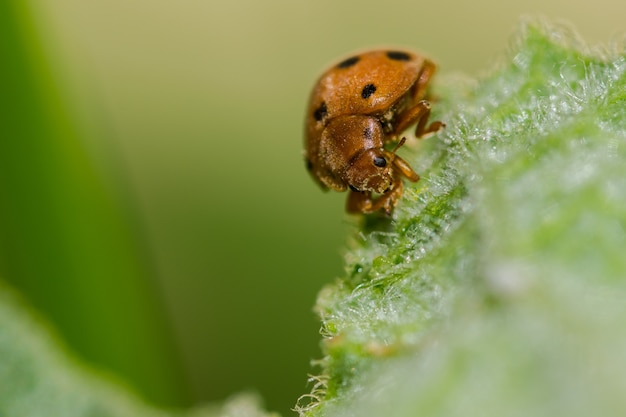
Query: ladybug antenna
pixel 398 145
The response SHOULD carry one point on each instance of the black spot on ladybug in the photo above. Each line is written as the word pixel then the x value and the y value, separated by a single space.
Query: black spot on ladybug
pixel 398 56
pixel 309 165
pixel 368 90
pixel 320 112
pixel 368 133
pixel 380 162
pixel 348 62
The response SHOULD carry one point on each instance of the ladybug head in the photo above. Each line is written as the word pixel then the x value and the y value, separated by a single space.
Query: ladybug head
pixel 371 170
pixel 374 170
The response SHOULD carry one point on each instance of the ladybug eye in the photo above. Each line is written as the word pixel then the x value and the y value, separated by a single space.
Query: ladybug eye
pixel 380 162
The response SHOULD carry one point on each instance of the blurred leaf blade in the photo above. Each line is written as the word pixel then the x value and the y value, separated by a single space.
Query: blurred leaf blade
pixel 39 379
pixel 66 238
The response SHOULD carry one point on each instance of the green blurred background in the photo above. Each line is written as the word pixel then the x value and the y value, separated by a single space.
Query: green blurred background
pixel 153 201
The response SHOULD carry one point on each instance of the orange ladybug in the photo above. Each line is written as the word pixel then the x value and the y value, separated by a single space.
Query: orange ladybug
pixel 357 107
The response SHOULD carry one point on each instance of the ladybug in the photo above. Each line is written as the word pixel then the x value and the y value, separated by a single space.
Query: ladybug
pixel 356 108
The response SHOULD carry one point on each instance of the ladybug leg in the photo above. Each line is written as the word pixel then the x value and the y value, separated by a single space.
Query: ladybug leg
pixel 420 86
pixel 418 113
pixel 359 202
pixel 405 169
pixel 362 202
pixel 389 200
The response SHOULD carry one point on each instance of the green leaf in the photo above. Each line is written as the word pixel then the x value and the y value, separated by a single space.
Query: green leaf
pixel 39 378
pixel 498 287
pixel 67 240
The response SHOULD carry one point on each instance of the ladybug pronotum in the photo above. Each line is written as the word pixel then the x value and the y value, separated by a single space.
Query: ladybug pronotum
pixel 356 108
